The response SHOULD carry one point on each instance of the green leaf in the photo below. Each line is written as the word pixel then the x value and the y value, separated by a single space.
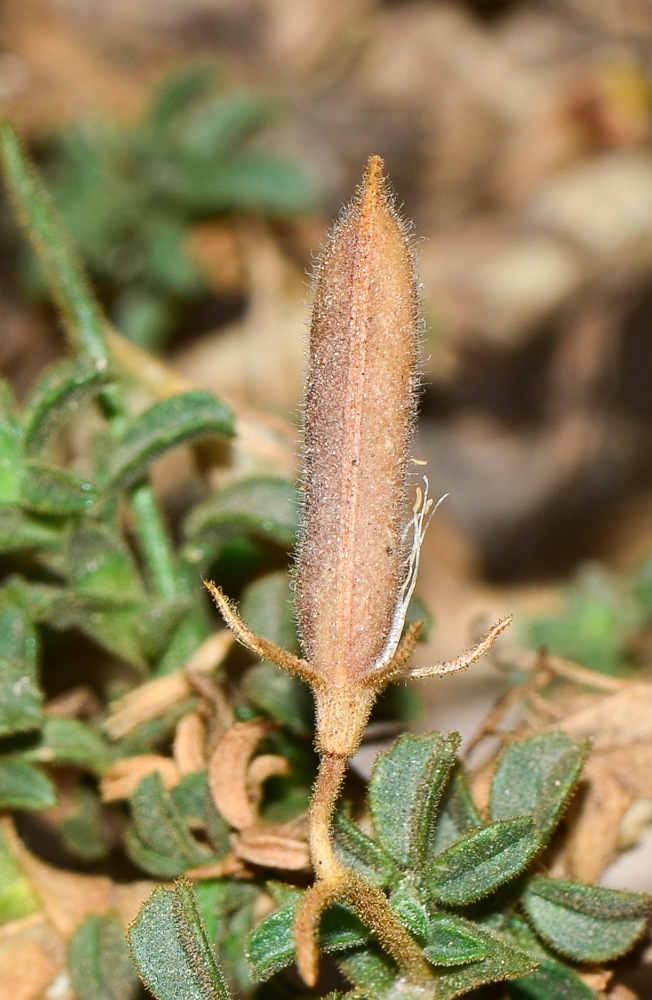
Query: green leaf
pixel 593 626
pixel 57 397
pixel 53 491
pixel 166 263
pixel 98 960
pixel 404 791
pixel 453 941
pixel 160 825
pixel 17 896
pixel 234 932
pixel 271 946
pixel 110 622
pixel 418 612
pixel 10 447
pixel 263 506
pixel 551 980
pixel 70 741
pixel 412 914
pixel 483 860
pixel 282 696
pixel 255 182
pixel 175 94
pixel 100 564
pixel 371 970
pixel 585 922
pixel 214 903
pixel 217 125
pixel 503 961
pixel 194 801
pixel 158 622
pixel 145 317
pixel 81 832
pixel 63 271
pixel 186 639
pixel 165 425
pixel 20 695
pixel 24 787
pixel 266 607
pixel 536 777
pixel 189 796
pixel 162 866
pixel 356 850
pixel 20 530
pixel 170 949
pixel 457 815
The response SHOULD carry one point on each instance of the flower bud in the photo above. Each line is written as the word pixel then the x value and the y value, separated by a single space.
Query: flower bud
pixel 359 412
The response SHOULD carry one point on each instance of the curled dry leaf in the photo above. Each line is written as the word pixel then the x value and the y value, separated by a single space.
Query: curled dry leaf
pixel 189 744
pixel 228 772
pixel 218 705
pixel 150 700
pixel 121 779
pixel 271 847
pixel 260 769
pixel 236 782
pixel 230 866
pixel 617 774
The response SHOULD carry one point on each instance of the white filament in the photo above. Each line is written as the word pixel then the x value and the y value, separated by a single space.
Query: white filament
pixel 422 513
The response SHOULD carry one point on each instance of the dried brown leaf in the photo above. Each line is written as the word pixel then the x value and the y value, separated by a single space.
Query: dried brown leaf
pixel 228 770
pixel 190 743
pixel 121 779
pixel 31 956
pixel 150 700
pixel 66 897
pixel 260 769
pixel 616 716
pixel 271 847
pixel 77 702
pixel 231 866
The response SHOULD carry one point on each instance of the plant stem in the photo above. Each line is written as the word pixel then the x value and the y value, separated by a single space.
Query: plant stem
pixel 153 537
pixel 324 796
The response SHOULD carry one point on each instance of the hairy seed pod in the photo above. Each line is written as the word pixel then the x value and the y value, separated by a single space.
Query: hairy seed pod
pixel 358 416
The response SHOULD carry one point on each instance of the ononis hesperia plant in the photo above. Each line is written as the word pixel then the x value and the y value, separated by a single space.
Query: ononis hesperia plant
pixel 359 550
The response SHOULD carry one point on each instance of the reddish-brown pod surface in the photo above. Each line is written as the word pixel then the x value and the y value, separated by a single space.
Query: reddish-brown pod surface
pixel 358 416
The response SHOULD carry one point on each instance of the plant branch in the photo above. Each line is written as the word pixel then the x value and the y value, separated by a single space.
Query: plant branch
pixel 257 643
pixel 466 659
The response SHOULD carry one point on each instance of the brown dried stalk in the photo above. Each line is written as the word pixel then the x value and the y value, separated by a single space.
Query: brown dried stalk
pixel 357 562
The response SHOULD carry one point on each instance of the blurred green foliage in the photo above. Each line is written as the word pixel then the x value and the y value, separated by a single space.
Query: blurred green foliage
pixel 128 194
pixel 601 622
